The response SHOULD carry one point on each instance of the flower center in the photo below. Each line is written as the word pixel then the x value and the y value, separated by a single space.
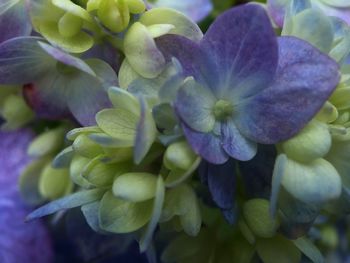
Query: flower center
pixel 222 109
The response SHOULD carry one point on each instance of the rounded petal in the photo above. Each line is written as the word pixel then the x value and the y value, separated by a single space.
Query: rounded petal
pixel 243 45
pixel 304 80
pixel 194 104
pixel 235 144
pixel 207 145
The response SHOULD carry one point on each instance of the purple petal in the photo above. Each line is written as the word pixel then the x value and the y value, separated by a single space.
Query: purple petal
pixel 305 78
pixel 19 241
pixel 87 95
pixel 14 20
pixel 22 60
pixel 46 96
pixel 66 59
pixel 194 104
pixel 235 144
pixel 207 145
pixel 243 45
pixel 193 59
pixel 222 183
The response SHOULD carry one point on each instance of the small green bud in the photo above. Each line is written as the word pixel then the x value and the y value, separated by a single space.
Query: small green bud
pixel 257 216
pixel 114 14
pixel 179 155
pixel 16 112
pixel 47 143
pixel 135 187
pixel 54 183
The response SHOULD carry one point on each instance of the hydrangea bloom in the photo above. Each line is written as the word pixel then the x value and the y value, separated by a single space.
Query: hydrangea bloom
pixel 245 87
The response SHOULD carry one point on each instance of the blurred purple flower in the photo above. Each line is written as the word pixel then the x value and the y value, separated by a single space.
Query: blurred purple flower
pixel 19 241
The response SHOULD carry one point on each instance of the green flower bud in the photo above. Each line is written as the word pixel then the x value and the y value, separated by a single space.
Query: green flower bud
pixel 179 155
pixel 47 143
pixel 114 14
pixel 54 183
pixel 16 112
pixel 135 187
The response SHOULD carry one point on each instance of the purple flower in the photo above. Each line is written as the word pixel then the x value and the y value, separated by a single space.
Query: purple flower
pixel 245 86
pixel 19 241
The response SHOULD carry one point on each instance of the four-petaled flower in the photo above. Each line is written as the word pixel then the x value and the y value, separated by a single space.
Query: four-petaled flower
pixel 245 86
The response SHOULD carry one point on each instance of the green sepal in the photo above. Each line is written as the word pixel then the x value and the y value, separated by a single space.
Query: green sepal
pixel 328 113
pixel 16 112
pixel 177 176
pixel 156 214
pixel 257 216
pixel 136 6
pixel 135 187
pixel 85 147
pixel 182 201
pixel 63 158
pixel 101 174
pixel 118 123
pixel 179 155
pixel 90 212
pixel 146 132
pixel 142 53
pixel 73 134
pixel 120 216
pixel 77 166
pixel 182 25
pixel 70 201
pixel 107 141
pixel 312 142
pixel 114 14
pixel 277 249
pixel 78 43
pixel 122 99
pixel 316 182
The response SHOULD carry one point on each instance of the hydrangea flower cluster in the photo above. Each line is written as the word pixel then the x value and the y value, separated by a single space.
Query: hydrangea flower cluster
pixel 229 145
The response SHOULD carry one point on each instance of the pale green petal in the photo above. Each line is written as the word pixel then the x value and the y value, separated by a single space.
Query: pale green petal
pixel 316 182
pixel 118 123
pixel 142 53
pixel 135 187
pixel 120 216
pixel 183 25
